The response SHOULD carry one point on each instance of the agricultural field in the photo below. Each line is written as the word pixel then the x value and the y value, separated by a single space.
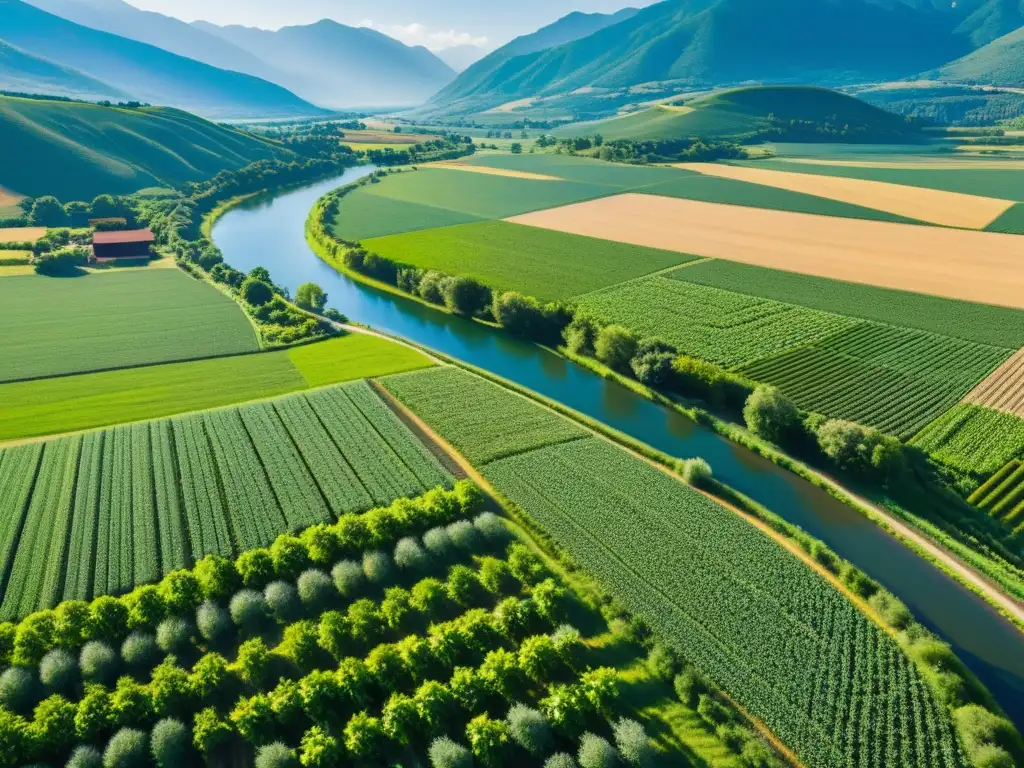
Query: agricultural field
pixel 100 513
pixel 1011 222
pixel 894 379
pixel 974 439
pixel 71 403
pixel 14 258
pixel 540 263
pixel 481 420
pixel 1004 389
pixel 55 327
pixel 659 546
pixel 436 634
pixel 21 234
pixel 720 326
pixel 1002 495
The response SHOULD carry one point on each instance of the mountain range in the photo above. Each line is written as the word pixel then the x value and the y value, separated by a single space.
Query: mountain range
pixel 702 43
pixel 1001 62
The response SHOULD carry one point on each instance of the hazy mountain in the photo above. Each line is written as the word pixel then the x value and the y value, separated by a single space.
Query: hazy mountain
pixel 989 20
pixel 482 74
pixel 339 66
pixel 121 18
pixel 1001 62
pixel 145 72
pixel 22 72
pixel 716 42
pixel 461 57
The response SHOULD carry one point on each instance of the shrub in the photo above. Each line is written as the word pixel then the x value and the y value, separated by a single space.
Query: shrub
pixel 463 586
pixel 596 752
pixel 255 569
pixel 316 590
pixel 633 744
pixel 169 743
pixel 430 597
pixel 208 676
pixel 689 686
pixel 218 577
pixel 256 292
pixel 131 703
pixel 580 335
pixel 349 578
pixel 768 414
pixel 464 536
pixel 209 731
pixel 983 733
pixel 108 618
pixel 377 567
pixel 70 625
pixel 492 528
pixel 253 661
pixel 128 748
pixel 539 657
pixel 146 607
pixel 139 651
pixel 299 644
pixel 496 577
pixel 465 296
pixel 364 736
pixel 174 635
pixel 662 663
pixel 431 287
pixel 409 555
pixel 85 757
pixel 525 564
pixel 445 753
pixel 276 755
pixel 289 556
pixel 560 760
pixel 696 472
pixel 170 688
pixel 95 716
pixel 283 600
pixel 518 314
pixel 487 739
pixel 58 671
pixel 311 296
pixel 615 346
pixel 529 729
pixel 319 749
pixel 213 622
pixel 181 591
pixel 248 609
pixel 439 543
pixel 400 718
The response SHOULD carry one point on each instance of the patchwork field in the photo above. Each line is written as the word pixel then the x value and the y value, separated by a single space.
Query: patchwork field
pixel 935 206
pixel 1004 389
pixel 72 403
pixel 101 321
pixel 21 234
pixel 1002 496
pixel 98 513
pixel 541 263
pixel 659 547
pixel 456 166
pixel 972 266
pixel 974 439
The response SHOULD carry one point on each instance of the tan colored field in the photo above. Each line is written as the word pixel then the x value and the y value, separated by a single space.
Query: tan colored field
pixel 456 166
pixel 950 209
pixel 930 164
pixel 8 198
pixel 958 264
pixel 990 148
pixel 384 137
pixel 19 270
pixel 21 234
pixel 510 106
pixel 1003 390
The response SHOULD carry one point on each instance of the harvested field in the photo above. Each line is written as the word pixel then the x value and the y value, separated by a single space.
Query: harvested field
pixel 973 266
pixel 21 234
pixel 384 137
pixel 1003 390
pixel 496 171
pixel 936 206
pixel 925 164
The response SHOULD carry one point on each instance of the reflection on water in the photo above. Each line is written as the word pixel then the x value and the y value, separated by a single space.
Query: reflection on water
pixel 269 232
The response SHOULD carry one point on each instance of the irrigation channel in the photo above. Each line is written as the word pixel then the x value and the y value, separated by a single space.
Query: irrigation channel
pixel 268 231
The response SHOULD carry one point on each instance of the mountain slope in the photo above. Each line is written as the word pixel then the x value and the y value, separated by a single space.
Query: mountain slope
pixel 743 113
pixel 340 66
pixel 567 29
pixel 77 151
pixel 119 18
pixel 144 71
pixel 716 42
pixel 461 57
pixel 22 72
pixel 1001 62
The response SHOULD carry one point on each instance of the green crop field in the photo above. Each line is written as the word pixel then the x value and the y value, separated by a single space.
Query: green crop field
pixel 482 420
pixel 1002 495
pixel 71 403
pixel 541 263
pixel 1011 222
pixel 894 379
pixel 57 326
pixel 99 513
pixel 974 439
pixel 982 323
pixel 721 326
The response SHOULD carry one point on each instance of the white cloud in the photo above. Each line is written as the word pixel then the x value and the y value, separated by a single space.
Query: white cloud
pixel 419 34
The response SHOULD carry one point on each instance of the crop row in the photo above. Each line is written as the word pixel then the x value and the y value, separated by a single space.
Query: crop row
pixel 894 379
pixel 723 327
pixel 1002 495
pixel 789 647
pixel 974 439
pixel 98 514
pixel 482 420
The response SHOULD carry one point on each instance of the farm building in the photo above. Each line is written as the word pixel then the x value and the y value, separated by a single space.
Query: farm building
pixel 131 244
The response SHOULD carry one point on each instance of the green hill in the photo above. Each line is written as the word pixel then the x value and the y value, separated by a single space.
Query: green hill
pixel 748 113
pixel 77 151
pixel 1001 62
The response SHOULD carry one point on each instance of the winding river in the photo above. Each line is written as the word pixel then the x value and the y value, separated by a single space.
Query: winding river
pixel 269 231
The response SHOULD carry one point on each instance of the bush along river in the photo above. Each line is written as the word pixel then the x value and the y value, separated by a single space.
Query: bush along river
pixel 269 231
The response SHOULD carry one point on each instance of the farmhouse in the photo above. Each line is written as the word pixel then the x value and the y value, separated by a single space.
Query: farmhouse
pixel 132 244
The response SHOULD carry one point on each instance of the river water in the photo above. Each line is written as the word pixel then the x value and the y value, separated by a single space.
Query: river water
pixel 268 231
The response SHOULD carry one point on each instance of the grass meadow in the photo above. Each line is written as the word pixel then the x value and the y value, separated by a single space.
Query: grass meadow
pixel 59 326
pixel 541 263
pixel 72 403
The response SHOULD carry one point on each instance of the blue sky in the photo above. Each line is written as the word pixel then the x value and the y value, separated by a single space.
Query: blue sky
pixel 434 23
